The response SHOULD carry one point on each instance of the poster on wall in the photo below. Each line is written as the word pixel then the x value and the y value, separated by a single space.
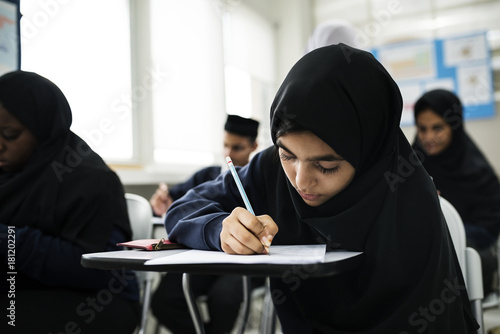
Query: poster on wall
pixel 9 39
pixel 461 64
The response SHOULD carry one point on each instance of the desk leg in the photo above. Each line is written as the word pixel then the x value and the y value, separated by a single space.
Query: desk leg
pixel 193 307
pixel 245 308
pixel 268 322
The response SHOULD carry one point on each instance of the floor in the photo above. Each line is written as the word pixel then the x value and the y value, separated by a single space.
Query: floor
pixel 491 321
pixel 253 323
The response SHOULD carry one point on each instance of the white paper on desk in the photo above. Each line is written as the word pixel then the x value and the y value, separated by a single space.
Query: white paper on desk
pixel 297 254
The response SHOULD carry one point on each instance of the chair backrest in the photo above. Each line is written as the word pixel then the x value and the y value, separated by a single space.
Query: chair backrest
pixel 140 214
pixel 469 260
pixel 457 231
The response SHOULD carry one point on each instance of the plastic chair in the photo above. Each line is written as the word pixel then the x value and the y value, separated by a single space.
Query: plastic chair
pixel 140 214
pixel 469 260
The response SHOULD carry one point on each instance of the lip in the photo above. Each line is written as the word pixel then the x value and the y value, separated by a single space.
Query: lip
pixel 431 147
pixel 309 197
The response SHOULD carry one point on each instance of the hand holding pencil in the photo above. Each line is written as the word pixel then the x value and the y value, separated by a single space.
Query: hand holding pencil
pixel 242 231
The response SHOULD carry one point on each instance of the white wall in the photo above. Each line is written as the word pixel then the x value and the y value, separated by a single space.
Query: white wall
pixel 294 21
pixel 386 21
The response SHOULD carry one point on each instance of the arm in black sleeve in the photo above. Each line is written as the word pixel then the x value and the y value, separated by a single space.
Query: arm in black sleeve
pixel 54 261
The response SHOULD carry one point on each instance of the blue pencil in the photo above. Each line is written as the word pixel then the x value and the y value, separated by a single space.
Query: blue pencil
pixel 242 191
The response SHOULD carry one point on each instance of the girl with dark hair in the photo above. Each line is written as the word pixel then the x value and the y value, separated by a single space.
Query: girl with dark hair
pixel 339 181
pixel 461 173
pixel 58 200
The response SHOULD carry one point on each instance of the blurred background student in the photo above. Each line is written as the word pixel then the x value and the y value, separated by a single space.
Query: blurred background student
pixel 62 201
pixel 224 293
pixel 461 173
pixel 332 32
pixel 240 140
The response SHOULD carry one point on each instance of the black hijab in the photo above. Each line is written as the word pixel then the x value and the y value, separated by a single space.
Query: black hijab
pixel 461 172
pixel 390 211
pixel 65 189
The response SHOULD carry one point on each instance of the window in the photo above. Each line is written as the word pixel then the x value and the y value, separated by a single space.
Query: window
pixel 84 48
pixel 249 52
pixel 146 79
pixel 188 107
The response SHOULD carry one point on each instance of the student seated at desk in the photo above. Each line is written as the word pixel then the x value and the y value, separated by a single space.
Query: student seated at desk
pixel 60 200
pixel 334 177
pixel 224 293
pixel 240 141
pixel 461 174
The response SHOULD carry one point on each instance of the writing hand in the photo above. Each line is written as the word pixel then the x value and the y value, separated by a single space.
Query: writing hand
pixel 244 233
pixel 161 200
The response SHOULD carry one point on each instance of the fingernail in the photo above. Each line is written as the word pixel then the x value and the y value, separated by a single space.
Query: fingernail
pixel 266 241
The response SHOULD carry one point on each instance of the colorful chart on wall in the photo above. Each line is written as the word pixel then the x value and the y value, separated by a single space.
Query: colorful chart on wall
pixel 8 37
pixel 461 64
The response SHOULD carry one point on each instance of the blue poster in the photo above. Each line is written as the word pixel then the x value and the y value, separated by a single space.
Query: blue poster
pixel 9 38
pixel 461 64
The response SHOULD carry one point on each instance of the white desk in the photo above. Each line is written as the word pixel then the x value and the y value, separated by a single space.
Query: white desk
pixel 334 263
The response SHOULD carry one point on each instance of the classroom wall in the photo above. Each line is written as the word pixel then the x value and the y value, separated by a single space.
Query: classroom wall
pixel 294 21
pixel 381 22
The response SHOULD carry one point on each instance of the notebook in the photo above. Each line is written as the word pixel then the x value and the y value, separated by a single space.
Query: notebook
pixel 151 244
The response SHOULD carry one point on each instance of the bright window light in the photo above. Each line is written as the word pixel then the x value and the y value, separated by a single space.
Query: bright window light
pixel 84 48
pixel 188 107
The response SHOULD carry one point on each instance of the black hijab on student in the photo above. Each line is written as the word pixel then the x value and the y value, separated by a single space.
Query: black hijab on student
pixel 390 211
pixel 44 194
pixel 461 172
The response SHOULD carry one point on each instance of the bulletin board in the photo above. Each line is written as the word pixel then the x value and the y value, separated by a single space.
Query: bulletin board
pixel 461 64
pixel 10 50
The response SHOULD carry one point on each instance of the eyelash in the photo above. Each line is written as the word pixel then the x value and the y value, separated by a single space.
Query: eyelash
pixel 10 137
pixel 285 157
pixel 318 166
pixel 327 170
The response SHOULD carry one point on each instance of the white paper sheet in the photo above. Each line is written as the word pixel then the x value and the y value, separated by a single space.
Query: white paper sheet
pixel 297 254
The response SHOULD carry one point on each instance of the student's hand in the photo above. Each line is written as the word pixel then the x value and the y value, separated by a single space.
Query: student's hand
pixel 161 200
pixel 244 233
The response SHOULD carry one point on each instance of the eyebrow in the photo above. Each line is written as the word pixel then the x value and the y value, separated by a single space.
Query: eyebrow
pixel 326 157
pixel 432 126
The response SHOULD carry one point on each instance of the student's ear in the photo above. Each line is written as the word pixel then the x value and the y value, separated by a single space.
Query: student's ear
pixel 254 146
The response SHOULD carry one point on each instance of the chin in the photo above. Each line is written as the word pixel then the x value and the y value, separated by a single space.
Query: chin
pixel 314 203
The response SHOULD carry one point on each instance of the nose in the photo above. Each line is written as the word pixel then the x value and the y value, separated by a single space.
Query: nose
pixel 426 136
pixel 305 178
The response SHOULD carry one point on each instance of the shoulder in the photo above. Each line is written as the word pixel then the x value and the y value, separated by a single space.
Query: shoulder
pixel 214 170
pixel 263 169
pixel 267 162
pixel 207 174
pixel 266 158
pixel 86 170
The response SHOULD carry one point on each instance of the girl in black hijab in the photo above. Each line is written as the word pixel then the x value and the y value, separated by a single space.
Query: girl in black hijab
pixel 344 176
pixel 461 173
pixel 60 200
